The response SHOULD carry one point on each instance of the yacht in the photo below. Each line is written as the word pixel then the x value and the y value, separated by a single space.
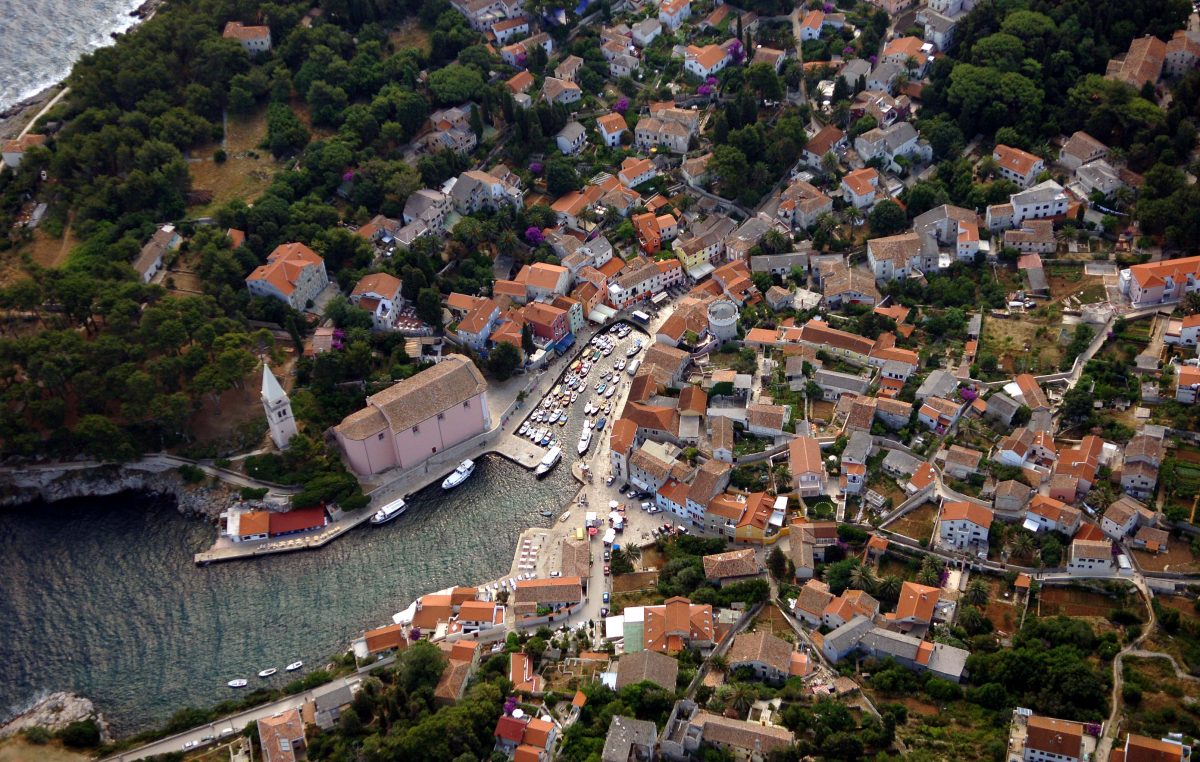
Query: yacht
pixel 239 683
pixel 460 475
pixel 585 440
pixel 295 666
pixel 267 672
pixel 549 461
pixel 389 512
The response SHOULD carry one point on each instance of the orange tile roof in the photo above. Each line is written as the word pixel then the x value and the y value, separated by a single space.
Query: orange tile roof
pixel 822 142
pixel 860 181
pixel 1014 159
pixel 917 602
pixel 904 46
pixel 284 266
pixel 972 512
pixel 520 82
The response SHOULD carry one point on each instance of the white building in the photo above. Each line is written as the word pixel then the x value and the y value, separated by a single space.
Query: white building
pixel 964 525
pixel 278 409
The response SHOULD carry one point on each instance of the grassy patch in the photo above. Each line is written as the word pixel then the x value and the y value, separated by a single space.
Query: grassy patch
pixel 410 35
pixel 247 169
pixel 916 524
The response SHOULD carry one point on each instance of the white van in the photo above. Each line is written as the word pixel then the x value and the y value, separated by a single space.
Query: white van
pixel 633 367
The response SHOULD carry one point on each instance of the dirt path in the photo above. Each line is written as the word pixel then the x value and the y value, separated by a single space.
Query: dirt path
pixel 1110 732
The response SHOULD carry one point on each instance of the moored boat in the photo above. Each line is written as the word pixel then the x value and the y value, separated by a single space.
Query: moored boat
pixel 549 461
pixel 267 672
pixel 295 666
pixel 239 683
pixel 460 475
pixel 585 440
pixel 389 512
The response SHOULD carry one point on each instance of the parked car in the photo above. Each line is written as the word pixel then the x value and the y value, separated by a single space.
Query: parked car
pixel 190 745
pixel 646 507
pixel 604 598
pixel 607 571
pixel 604 611
pixel 607 555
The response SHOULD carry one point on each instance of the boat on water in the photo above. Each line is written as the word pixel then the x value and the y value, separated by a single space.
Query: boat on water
pixel 585 440
pixel 549 461
pixel 600 423
pixel 547 514
pixel 553 417
pixel 241 682
pixel 610 391
pixel 295 666
pixel 389 512
pixel 637 347
pixel 267 672
pixel 460 475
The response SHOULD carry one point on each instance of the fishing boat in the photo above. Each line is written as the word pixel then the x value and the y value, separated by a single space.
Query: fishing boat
pixel 524 429
pixel 585 441
pixel 549 461
pixel 601 387
pixel 553 417
pixel 267 672
pixel 563 421
pixel 389 512
pixel 460 475
pixel 546 438
pixel 574 396
pixel 239 683
pixel 547 514
pixel 600 423
pixel 587 408
pixel 294 666
pixel 610 391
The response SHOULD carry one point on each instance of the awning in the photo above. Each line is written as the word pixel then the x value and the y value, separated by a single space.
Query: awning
pixel 1031 525
pixel 700 271
pixel 659 298
pixel 601 313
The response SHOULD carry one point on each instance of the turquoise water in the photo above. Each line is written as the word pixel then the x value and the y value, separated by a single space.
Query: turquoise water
pixel 100 596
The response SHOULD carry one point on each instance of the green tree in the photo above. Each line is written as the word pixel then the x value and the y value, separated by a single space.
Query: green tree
pixel 429 307
pixel 454 83
pixel 503 360
pixel 887 218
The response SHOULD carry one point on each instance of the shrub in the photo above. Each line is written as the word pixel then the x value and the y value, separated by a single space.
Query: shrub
pixel 254 493
pixel 84 734
pixel 191 474
pixel 37 736
pixel 942 690
pixel 219 156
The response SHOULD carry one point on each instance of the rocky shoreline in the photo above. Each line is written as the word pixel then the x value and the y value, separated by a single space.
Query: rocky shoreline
pixel 20 487
pixel 55 712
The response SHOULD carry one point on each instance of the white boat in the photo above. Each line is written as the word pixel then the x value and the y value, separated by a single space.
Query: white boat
pixel 524 429
pixel 574 396
pixel 239 683
pixel 460 475
pixel 565 516
pixel 549 461
pixel 295 666
pixel 389 512
pixel 610 391
pixel 553 417
pixel 637 347
pixel 267 672
pixel 585 440
pixel 587 408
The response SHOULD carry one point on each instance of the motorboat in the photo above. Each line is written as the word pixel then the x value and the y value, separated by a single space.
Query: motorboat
pixel 267 672
pixel 587 408
pixel 585 440
pixel 565 516
pixel 460 475
pixel 553 417
pixel 547 514
pixel 241 682
pixel 294 666
pixel 600 388
pixel 637 347
pixel 546 438
pixel 608 350
pixel 524 429
pixel 610 391
pixel 600 423
pixel 549 461
pixel 563 421
pixel 574 396
pixel 389 512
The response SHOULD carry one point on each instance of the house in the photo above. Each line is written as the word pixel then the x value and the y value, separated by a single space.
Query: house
pixel 1146 749
pixel 1046 513
pixel 506 29
pixel 672 13
pixel 294 274
pixel 801 203
pixel 663 132
pixel 835 383
pixel 1042 201
pixel 407 423
pixel 1183 52
pixel 635 171
pixel 427 206
pixel 899 464
pixel 1089 556
pixel 843 284
pixel 705 61
pixel 739 739
pixel 938 413
pixel 964 526
pixel 843 641
pixel 1034 236
pixel 860 187
pixel 281 737
pixel 915 607
pixel 769 657
pixel 647 666
pixel 569 68
pixel 1099 177
pixel 520 82
pixel 897 257
pixel 1011 496
pixel 884 76
pixel 766 420
pixel 571 138
pixel 1151 539
pixel 646 31
pixel 1141 65
pixel 253 39
pixel 1143 456
pixel 1002 407
pixel 731 566
pixel 825 140
pixel 1121 517
pixel 848 605
pixel 1081 148
pixel 807 466
pixel 1031 393
pixel 887 144
pixel 629 740
pixel 474 190
pixel 812 601
pixel 14 150
pixel 476 327
pixel 676 625
pixel 149 261
pixel 721 437
pixel 962 462
pixel 611 127
pixel 378 294
pixel 556 90
pixel 911 53
pixel 1021 167
pixel 1025 447
pixel 769 56
pixel 1160 282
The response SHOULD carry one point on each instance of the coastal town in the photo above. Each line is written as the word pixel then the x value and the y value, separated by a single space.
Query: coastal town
pixel 871 374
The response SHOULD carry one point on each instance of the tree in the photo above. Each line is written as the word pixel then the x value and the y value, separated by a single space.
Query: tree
pixel 765 81
pixel 887 218
pixel 889 587
pixel 429 307
pixel 285 132
pixel 527 339
pixel 977 593
pixel 863 578
pixel 777 563
pixel 561 176
pixel 455 83
pixel 1076 404
pixel 503 360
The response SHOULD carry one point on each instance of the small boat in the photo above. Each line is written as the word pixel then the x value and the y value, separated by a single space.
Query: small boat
pixel 545 439
pixel 389 512
pixel 574 396
pixel 637 347
pixel 565 516
pixel 587 408
pixel 294 666
pixel 553 417
pixel 563 421
pixel 239 683
pixel 524 429
pixel 608 350
pixel 585 441
pixel 460 475
pixel 600 388
pixel 600 423
pixel 267 672
pixel 610 391
pixel 547 514
pixel 549 461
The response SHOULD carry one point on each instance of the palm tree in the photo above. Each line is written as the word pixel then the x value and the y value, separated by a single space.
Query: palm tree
pixel 977 593
pixel 863 578
pixel 741 695
pixel 632 552
pixel 889 587
pixel 931 572
pixel 1022 544
pixel 719 664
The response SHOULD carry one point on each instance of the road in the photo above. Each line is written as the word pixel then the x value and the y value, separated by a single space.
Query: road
pixel 1111 728
pixel 240 720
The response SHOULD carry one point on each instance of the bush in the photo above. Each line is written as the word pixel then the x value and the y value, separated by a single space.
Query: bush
pixel 942 690
pixel 1131 694
pixel 254 493
pixel 37 736
pixel 190 474
pixel 84 734
pixel 219 156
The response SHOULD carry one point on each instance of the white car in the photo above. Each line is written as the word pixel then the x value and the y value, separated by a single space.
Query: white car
pixel 190 745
